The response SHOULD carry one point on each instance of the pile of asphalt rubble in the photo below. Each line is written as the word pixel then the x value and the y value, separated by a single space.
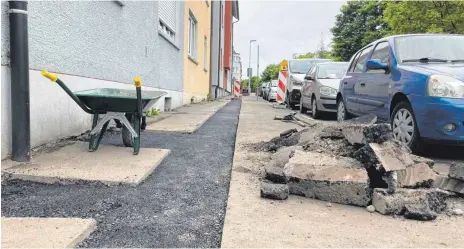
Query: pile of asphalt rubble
pixel 358 162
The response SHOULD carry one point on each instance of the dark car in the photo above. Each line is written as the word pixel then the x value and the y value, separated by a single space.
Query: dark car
pixel 415 82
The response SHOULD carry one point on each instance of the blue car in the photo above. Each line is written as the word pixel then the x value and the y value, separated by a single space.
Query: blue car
pixel 414 82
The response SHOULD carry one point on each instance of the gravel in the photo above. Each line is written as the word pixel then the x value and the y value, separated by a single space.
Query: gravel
pixel 182 204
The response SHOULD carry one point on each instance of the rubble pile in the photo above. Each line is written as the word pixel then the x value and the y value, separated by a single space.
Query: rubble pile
pixel 358 163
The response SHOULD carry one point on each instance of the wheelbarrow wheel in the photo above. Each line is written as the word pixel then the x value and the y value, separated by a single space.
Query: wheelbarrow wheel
pixel 127 138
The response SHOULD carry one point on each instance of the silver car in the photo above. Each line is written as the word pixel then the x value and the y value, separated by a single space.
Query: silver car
pixel 320 88
pixel 271 93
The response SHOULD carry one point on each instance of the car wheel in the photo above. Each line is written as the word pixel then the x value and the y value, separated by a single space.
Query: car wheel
pixel 316 113
pixel 303 109
pixel 341 111
pixel 404 127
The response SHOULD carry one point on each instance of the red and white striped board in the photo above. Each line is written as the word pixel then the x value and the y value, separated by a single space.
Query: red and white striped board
pixel 237 89
pixel 282 86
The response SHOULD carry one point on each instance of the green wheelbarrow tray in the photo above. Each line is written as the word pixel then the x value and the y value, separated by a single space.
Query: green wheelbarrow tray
pixel 104 100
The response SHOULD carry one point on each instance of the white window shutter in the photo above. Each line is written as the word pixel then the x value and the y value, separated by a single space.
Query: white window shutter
pixel 167 13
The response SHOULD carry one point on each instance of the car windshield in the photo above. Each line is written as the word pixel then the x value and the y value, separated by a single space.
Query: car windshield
pixel 274 83
pixel 332 70
pixel 302 66
pixel 434 48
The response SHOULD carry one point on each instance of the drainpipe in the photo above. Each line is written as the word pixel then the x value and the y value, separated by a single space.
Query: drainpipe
pixel 19 63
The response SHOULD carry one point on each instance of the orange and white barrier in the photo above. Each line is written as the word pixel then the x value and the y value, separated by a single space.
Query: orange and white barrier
pixel 282 82
pixel 237 89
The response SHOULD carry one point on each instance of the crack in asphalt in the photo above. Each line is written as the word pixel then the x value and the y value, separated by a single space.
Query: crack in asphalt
pixel 181 204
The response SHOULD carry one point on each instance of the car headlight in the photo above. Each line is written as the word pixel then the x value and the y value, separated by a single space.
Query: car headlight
pixel 296 81
pixel 445 86
pixel 325 90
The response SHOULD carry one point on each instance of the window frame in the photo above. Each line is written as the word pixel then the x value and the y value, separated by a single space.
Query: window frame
pixel 192 45
pixel 381 71
pixel 205 53
pixel 367 56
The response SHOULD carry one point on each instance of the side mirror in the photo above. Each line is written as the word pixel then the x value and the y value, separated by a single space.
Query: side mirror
pixel 308 77
pixel 376 64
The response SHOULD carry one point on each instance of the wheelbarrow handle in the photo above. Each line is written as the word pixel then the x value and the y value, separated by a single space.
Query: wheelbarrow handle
pixel 138 89
pixel 54 78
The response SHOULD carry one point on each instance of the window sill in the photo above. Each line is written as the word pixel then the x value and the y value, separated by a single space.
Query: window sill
pixel 169 39
pixel 193 59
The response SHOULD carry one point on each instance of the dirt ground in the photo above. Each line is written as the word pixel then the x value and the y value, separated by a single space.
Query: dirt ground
pixel 301 222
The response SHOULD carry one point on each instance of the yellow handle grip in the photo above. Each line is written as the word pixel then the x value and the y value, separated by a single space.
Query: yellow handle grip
pixel 137 81
pixel 51 76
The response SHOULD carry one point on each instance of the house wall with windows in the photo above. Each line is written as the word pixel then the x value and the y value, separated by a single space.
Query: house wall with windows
pixel 237 67
pixel 197 26
pixel 93 45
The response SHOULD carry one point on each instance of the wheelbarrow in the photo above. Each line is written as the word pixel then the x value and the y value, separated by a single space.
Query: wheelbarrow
pixel 124 105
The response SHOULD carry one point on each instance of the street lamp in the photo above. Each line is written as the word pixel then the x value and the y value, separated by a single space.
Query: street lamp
pixel 249 68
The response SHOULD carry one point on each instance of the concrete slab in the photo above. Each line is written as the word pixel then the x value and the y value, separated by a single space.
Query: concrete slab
pixel 456 171
pixel 45 232
pixel 110 165
pixel 189 118
pixel 392 156
pixel 417 175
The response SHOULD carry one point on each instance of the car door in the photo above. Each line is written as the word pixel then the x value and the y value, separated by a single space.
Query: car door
pixel 347 86
pixel 360 88
pixel 377 82
pixel 307 88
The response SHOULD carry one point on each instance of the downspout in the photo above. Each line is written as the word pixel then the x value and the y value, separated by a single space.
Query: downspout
pixel 220 41
pixel 19 63
pixel 211 50
pixel 232 37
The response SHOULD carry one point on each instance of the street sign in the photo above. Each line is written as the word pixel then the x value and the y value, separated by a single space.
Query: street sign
pixel 284 65
pixel 249 72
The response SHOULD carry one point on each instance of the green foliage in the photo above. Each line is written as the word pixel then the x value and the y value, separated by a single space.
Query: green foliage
pixel 271 72
pixel 425 17
pixel 322 52
pixel 152 112
pixel 308 55
pixel 255 83
pixel 358 24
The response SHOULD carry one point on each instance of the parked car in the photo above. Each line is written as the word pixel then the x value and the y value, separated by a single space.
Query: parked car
pixel 271 93
pixel 320 88
pixel 415 82
pixel 245 92
pixel 297 69
pixel 261 89
pixel 266 87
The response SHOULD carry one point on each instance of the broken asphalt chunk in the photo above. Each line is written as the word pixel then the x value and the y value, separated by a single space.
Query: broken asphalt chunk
pixel 449 184
pixel 416 176
pixel 419 212
pixel 391 155
pixel 335 179
pixel 456 171
pixel 274 191
pixel 364 120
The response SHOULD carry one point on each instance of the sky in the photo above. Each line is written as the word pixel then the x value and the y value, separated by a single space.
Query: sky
pixel 282 28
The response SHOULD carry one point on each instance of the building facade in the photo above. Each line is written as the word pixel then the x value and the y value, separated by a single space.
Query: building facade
pixel 197 35
pixel 223 16
pixel 237 67
pixel 93 45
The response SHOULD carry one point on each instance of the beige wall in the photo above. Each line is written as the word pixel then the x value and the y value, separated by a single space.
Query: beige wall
pixel 196 78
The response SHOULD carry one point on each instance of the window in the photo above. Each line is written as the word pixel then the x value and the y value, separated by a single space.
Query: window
pixel 192 36
pixel 382 53
pixel 167 18
pixel 205 54
pixel 361 63
pixel 353 62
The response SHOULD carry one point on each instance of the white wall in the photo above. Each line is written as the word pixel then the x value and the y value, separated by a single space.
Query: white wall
pixel 54 114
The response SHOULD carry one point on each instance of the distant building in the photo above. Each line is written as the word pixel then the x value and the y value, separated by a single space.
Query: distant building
pixel 237 67
pixel 223 15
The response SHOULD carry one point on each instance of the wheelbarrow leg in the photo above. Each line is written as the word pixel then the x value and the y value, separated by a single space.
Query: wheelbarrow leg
pixel 93 137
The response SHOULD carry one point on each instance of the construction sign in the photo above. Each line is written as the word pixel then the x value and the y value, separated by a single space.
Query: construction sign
pixel 282 82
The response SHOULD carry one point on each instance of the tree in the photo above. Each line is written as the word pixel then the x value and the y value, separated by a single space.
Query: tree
pixel 322 51
pixel 255 83
pixel 271 72
pixel 425 17
pixel 358 24
pixel 308 55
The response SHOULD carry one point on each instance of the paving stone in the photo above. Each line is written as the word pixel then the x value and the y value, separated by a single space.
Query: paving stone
pixel 415 176
pixel 274 191
pixel 456 171
pixel 394 203
pixel 419 212
pixel 419 159
pixel 449 184
pixel 335 179
pixel 275 174
pixel 392 155
pixel 29 232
